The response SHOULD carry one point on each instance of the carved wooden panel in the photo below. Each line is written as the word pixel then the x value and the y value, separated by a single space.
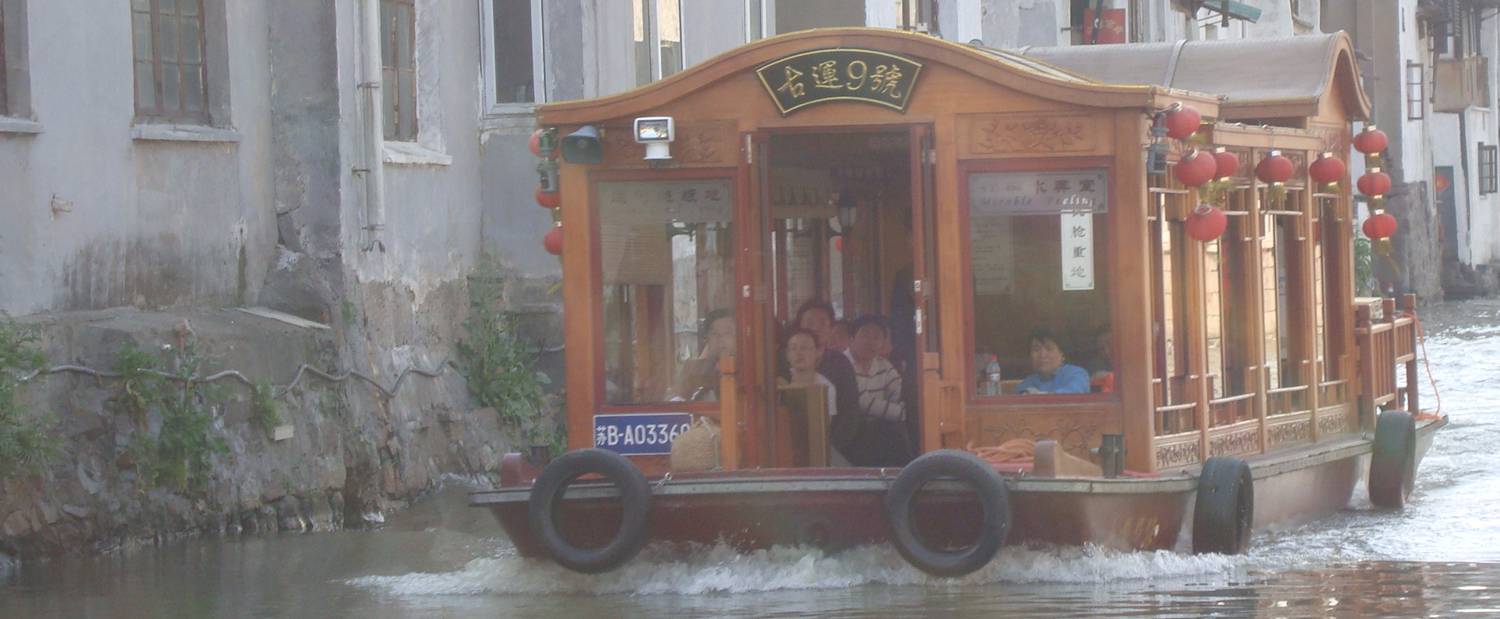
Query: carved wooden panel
pixel 1076 433
pixel 1177 453
pixel 698 144
pixel 1284 432
pixel 1236 440
pixel 989 135
pixel 1336 138
pixel 1336 420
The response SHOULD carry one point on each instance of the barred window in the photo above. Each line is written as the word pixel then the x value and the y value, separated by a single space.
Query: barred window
pixel 398 38
pixel 169 55
pixel 1487 168
pixel 1416 91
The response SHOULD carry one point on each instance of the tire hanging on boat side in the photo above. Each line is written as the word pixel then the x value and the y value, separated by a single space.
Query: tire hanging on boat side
pixel 635 503
pixel 994 503
pixel 1393 461
pixel 1224 511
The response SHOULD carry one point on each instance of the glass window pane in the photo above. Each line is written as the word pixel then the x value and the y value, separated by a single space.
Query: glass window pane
pixel 642 38
pixel 1270 272
pixel 167 46
pixel 168 6
pixel 669 27
pixel 513 52
pixel 1213 292
pixel 387 34
pixel 145 87
pixel 408 106
pixel 140 5
pixel 141 29
pixel 192 87
pixel 668 288
pixel 1040 283
pixel 189 7
pixel 170 95
pixel 755 12
pixel 404 38
pixel 192 46
pixel 388 102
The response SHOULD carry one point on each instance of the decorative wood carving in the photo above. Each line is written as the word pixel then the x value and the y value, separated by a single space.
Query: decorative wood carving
pixel 1235 443
pixel 1336 138
pixel 1017 134
pixel 1076 434
pixel 1169 455
pixel 1299 431
pixel 1335 421
pixel 698 144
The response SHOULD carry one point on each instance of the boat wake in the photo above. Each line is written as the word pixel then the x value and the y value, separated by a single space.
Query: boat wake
pixel 721 569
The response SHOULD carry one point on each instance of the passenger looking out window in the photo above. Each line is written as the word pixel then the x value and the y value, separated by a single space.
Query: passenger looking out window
pixel 1053 374
pixel 879 382
pixel 699 379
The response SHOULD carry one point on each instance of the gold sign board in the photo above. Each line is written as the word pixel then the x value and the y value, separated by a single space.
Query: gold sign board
pixel 839 74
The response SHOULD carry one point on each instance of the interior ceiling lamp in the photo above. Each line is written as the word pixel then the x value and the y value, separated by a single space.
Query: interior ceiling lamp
pixel 847 212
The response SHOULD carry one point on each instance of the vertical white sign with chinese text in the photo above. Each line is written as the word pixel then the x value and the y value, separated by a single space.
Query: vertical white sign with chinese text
pixel 1077 250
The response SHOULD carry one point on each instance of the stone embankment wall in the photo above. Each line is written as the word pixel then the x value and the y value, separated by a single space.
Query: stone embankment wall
pixel 353 454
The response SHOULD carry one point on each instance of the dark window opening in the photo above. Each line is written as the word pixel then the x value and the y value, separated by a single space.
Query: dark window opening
pixel 515 81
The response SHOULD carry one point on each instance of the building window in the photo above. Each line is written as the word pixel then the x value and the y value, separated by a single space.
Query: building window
pixel 170 76
pixel 515 59
pixel 1487 168
pixel 1416 91
pixel 398 38
pixel 657 32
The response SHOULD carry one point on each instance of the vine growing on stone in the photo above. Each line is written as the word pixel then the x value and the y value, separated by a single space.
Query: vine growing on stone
pixel 178 455
pixel 26 442
pixel 501 368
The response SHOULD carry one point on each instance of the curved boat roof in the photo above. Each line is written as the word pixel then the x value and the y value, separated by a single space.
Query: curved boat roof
pixel 1258 78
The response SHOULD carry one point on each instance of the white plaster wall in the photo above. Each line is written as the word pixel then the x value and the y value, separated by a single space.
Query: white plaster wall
pixel 136 223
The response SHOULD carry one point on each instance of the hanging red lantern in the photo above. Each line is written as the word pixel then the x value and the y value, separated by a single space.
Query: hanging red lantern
pixel 1327 169
pixel 1374 183
pixel 1195 168
pixel 1371 141
pixel 553 242
pixel 535 144
pixel 1206 223
pixel 838 243
pixel 548 199
pixel 1227 163
pixel 1380 226
pixel 1274 168
pixel 1183 122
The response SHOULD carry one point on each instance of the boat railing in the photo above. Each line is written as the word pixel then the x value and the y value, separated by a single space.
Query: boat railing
pixel 1232 409
pixel 1333 392
pixel 1387 341
pixel 1287 400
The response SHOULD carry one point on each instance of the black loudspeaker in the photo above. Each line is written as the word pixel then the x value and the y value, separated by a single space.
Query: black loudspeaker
pixel 582 146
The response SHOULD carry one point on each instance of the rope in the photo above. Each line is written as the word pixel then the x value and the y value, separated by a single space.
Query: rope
pixel 1426 362
pixel 302 370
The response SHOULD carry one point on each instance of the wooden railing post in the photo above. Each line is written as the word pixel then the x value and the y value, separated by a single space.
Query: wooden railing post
pixel 1409 306
pixel 934 409
pixel 1364 326
pixel 729 415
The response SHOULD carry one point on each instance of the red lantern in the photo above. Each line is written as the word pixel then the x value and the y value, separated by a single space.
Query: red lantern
pixel 1183 122
pixel 1371 141
pixel 1327 169
pixel 535 144
pixel 1274 168
pixel 1374 183
pixel 1206 223
pixel 1195 168
pixel 553 242
pixel 838 242
pixel 548 199
pixel 1380 226
pixel 1227 163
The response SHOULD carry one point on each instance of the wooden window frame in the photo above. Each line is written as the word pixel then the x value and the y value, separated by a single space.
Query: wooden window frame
pixel 396 78
pixel 1487 168
pixel 1416 90
pixel 160 112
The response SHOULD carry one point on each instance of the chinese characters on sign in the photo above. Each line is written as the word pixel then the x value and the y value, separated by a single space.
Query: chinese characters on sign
pixel 840 74
pixel 995 198
pixel 635 219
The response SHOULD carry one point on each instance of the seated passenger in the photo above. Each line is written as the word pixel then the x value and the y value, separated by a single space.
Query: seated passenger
pixel 803 352
pixel 817 317
pixel 838 336
pixel 879 382
pixel 699 378
pixel 1052 374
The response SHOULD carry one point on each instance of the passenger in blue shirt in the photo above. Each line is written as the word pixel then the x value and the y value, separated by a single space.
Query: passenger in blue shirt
pixel 1052 374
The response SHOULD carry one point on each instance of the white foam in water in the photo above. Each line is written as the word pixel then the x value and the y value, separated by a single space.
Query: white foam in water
pixel 721 569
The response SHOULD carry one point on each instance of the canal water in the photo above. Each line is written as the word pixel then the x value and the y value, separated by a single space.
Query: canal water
pixel 1439 557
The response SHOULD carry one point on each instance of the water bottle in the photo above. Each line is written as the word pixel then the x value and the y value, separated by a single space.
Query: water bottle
pixel 992 373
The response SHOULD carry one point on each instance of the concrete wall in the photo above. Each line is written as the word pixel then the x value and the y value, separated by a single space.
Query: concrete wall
pixel 96 218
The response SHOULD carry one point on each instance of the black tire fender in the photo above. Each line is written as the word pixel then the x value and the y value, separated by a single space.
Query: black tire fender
pixel 1224 512
pixel 635 503
pixel 994 501
pixel 1393 459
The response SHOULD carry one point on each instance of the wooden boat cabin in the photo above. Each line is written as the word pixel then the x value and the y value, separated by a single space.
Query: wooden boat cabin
pixel 972 199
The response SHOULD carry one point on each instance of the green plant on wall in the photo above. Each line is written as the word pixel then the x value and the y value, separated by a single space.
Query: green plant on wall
pixel 499 367
pixel 26 444
pixel 178 456
pixel 1363 285
pixel 265 410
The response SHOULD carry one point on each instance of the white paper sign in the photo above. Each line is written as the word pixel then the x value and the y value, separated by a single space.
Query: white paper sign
pixel 1077 250
pixel 633 224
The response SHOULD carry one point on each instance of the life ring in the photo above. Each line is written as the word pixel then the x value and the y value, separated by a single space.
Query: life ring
pixel 994 501
pixel 1393 462
pixel 1224 512
pixel 635 502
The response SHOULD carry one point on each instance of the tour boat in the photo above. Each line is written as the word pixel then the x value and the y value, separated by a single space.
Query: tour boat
pixel 1173 224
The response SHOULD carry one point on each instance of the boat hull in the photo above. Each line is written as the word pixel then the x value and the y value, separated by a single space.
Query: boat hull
pixel 841 508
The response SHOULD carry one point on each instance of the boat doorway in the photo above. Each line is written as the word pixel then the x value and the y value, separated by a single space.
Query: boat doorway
pixel 843 241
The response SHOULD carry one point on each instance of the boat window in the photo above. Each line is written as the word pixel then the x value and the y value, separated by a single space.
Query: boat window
pixel 667 264
pixel 1167 307
pixel 1040 282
